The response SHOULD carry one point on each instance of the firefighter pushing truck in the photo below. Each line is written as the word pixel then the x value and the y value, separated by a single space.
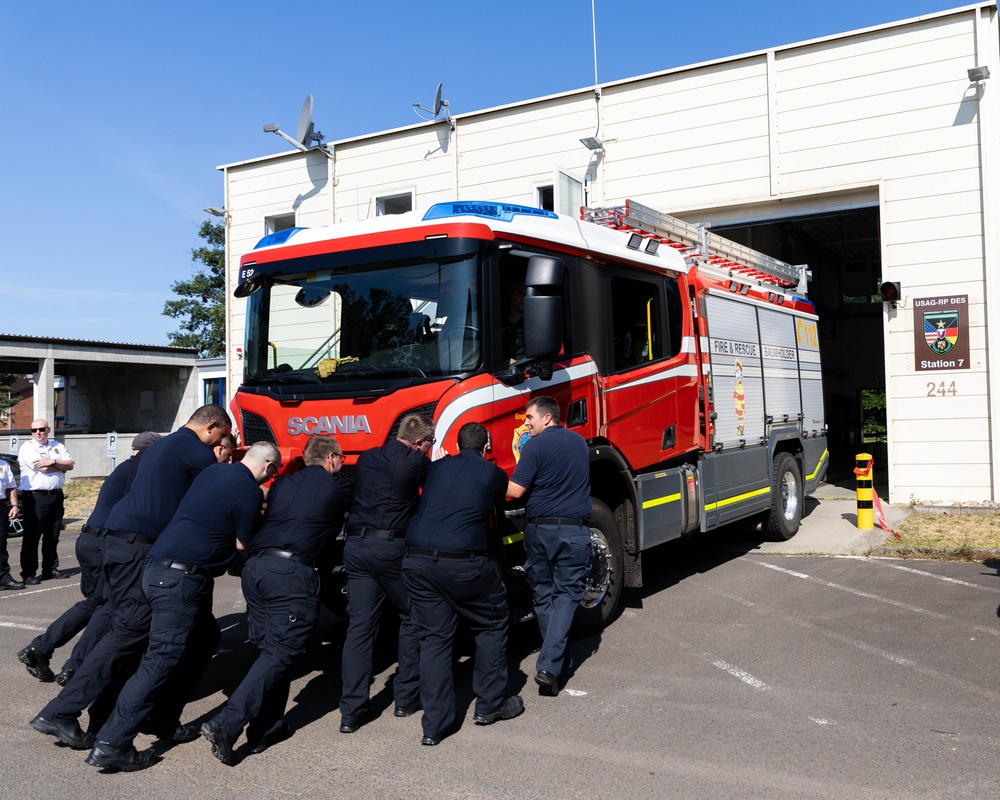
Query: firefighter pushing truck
pixel 689 363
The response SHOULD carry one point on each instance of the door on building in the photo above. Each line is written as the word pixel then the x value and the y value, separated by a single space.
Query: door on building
pixel 843 250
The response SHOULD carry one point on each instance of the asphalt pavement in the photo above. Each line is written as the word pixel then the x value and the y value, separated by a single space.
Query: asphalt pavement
pixel 733 673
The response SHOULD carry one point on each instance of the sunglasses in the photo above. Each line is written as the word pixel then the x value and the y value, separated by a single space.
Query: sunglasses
pixel 38 430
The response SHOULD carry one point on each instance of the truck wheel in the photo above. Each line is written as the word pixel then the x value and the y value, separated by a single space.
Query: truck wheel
pixel 786 498
pixel 603 591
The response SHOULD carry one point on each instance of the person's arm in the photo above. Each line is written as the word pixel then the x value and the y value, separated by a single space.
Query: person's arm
pixel 64 464
pixel 515 491
pixel 12 499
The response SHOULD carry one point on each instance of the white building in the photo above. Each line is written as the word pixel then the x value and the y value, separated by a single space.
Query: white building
pixel 869 155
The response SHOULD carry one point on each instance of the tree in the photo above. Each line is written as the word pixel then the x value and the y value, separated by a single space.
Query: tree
pixel 6 402
pixel 202 307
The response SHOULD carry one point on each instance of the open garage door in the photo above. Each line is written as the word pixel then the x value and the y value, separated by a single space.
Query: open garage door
pixel 843 250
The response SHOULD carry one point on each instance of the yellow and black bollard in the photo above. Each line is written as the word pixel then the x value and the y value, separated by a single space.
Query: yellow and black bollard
pixel 863 471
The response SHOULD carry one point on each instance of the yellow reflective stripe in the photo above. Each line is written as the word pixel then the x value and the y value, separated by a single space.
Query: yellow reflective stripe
pixel 738 498
pixel 514 538
pixel 819 464
pixel 659 501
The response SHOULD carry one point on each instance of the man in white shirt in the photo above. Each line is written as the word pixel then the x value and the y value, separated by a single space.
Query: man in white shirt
pixel 44 463
pixel 8 488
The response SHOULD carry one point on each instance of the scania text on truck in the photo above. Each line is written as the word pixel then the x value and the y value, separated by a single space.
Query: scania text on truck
pixel 689 363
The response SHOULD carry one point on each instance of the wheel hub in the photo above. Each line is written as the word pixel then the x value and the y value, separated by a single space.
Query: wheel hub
pixel 599 571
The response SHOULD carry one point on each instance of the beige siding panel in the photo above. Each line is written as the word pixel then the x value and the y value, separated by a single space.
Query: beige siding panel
pixel 878 53
pixel 939 251
pixel 947 123
pixel 958 483
pixel 891 88
pixel 912 188
pixel 949 200
pixel 884 156
pixel 689 87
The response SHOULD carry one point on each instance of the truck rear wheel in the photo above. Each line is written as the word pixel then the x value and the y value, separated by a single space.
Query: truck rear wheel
pixel 786 498
pixel 603 591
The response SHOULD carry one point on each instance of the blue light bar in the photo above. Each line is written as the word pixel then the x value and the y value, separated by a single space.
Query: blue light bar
pixel 503 212
pixel 277 238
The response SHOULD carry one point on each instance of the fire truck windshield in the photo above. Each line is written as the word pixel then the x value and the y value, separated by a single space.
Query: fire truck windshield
pixel 419 321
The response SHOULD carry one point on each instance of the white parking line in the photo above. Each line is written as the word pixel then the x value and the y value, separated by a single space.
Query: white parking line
pixel 20 626
pixel 10 595
pixel 883 563
pixel 869 596
pixel 744 676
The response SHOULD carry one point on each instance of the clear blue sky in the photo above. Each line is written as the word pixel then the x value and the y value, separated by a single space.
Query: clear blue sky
pixel 115 114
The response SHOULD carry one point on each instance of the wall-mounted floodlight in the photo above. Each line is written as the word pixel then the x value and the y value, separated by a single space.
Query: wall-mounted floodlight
pixel 214 211
pixel 977 74
pixel 592 143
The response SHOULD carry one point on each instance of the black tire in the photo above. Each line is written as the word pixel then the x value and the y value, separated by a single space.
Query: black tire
pixel 599 608
pixel 787 497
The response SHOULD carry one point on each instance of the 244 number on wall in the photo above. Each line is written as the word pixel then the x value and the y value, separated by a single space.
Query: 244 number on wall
pixel 941 389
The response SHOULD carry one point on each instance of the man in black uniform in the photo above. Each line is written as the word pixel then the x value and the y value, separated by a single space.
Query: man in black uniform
pixel 85 613
pixel 304 511
pixel 219 514
pixel 554 472
pixel 449 574
pixel 387 481
pixel 165 472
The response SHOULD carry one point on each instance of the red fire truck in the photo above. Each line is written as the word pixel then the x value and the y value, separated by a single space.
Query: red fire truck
pixel 689 363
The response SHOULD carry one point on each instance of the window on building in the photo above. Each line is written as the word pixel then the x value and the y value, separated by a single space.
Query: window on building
pixel 278 222
pixel 545 197
pixel 214 391
pixel 393 204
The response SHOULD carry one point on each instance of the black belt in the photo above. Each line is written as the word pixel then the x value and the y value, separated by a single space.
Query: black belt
pixel 376 533
pixel 41 491
pixel 558 521
pixel 93 530
pixel 188 569
pixel 131 537
pixel 278 553
pixel 423 551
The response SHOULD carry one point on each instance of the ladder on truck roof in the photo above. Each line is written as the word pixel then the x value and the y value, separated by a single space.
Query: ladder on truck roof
pixel 698 245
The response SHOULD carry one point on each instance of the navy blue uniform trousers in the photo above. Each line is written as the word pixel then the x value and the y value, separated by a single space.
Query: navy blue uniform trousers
pixel 557 559
pixel 442 590
pixel 283 606
pixel 183 636
pixel 373 573
pixel 126 636
pixel 81 614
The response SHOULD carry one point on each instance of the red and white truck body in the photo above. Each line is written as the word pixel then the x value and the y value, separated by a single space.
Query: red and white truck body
pixel 690 364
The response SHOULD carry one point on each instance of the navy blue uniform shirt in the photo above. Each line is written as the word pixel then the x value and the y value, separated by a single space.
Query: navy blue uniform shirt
pixel 387 482
pixel 112 490
pixel 164 475
pixel 459 497
pixel 304 510
pixel 555 469
pixel 222 505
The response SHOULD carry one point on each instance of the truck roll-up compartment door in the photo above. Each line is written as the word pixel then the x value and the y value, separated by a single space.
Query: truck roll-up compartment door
pixel 668 505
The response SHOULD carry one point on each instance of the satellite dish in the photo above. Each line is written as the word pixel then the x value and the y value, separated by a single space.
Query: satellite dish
pixel 437 100
pixel 304 132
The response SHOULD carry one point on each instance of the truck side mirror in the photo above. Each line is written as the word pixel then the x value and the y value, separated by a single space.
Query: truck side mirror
pixel 543 307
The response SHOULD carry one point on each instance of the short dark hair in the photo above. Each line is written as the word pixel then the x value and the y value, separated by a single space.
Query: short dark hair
pixel 228 441
pixel 545 405
pixel 319 447
pixel 472 436
pixel 416 426
pixel 211 413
